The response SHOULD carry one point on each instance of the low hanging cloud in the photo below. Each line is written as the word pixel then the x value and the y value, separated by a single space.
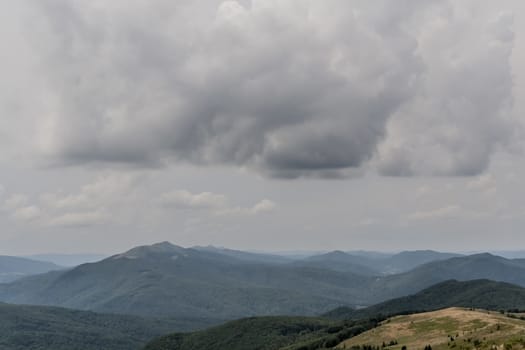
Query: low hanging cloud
pixel 288 88
pixel 118 198
pixel 91 205
pixel 184 199
pixel 448 212
pixel 217 204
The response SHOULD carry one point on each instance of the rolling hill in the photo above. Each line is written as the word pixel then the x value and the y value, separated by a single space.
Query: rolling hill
pixel 320 333
pixel 40 327
pixel 478 266
pixel 444 329
pixel 482 294
pixel 408 260
pixel 13 268
pixel 266 333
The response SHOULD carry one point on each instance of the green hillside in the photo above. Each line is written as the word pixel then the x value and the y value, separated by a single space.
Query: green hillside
pixel 38 327
pixel 266 333
pixel 478 266
pixel 408 260
pixel 483 294
pixel 452 328
pixel 314 333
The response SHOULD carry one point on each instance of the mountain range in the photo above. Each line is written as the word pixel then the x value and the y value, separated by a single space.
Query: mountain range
pixel 126 299
pixel 168 280
pixel 373 264
pixel 218 284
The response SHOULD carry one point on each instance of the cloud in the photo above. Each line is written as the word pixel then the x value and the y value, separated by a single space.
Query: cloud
pixel 263 206
pixel 485 184
pixel 367 221
pixel 15 201
pixel 451 211
pixel 19 208
pixel 287 88
pixel 217 204
pixel 91 205
pixel 463 111
pixel 29 213
pixel 79 219
pixel 185 199
pixel 106 190
pixel 122 198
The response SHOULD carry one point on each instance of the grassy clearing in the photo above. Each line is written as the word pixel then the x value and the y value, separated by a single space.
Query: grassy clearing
pixel 453 328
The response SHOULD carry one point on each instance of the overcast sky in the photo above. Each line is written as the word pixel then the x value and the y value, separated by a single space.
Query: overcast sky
pixel 262 124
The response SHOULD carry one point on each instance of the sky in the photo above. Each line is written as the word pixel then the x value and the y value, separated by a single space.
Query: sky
pixel 270 125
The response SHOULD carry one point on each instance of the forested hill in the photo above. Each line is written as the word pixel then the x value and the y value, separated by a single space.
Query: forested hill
pixel 25 327
pixel 294 333
pixel 482 294
pixel 266 333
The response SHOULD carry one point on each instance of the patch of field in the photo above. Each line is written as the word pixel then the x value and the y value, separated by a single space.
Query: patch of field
pixel 453 328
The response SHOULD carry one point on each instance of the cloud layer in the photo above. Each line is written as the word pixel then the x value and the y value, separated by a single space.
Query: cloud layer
pixel 288 88
pixel 117 198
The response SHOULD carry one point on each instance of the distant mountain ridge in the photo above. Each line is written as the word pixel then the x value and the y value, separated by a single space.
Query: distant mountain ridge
pixel 408 260
pixel 340 261
pixel 165 279
pixel 67 260
pixel 246 256
pixel 478 266
pixel 13 267
pixel 374 263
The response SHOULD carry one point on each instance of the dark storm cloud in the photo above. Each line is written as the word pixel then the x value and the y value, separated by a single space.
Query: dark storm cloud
pixel 290 88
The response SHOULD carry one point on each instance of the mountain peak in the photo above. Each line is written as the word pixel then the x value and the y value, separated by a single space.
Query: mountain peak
pixel 154 249
pixel 165 246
